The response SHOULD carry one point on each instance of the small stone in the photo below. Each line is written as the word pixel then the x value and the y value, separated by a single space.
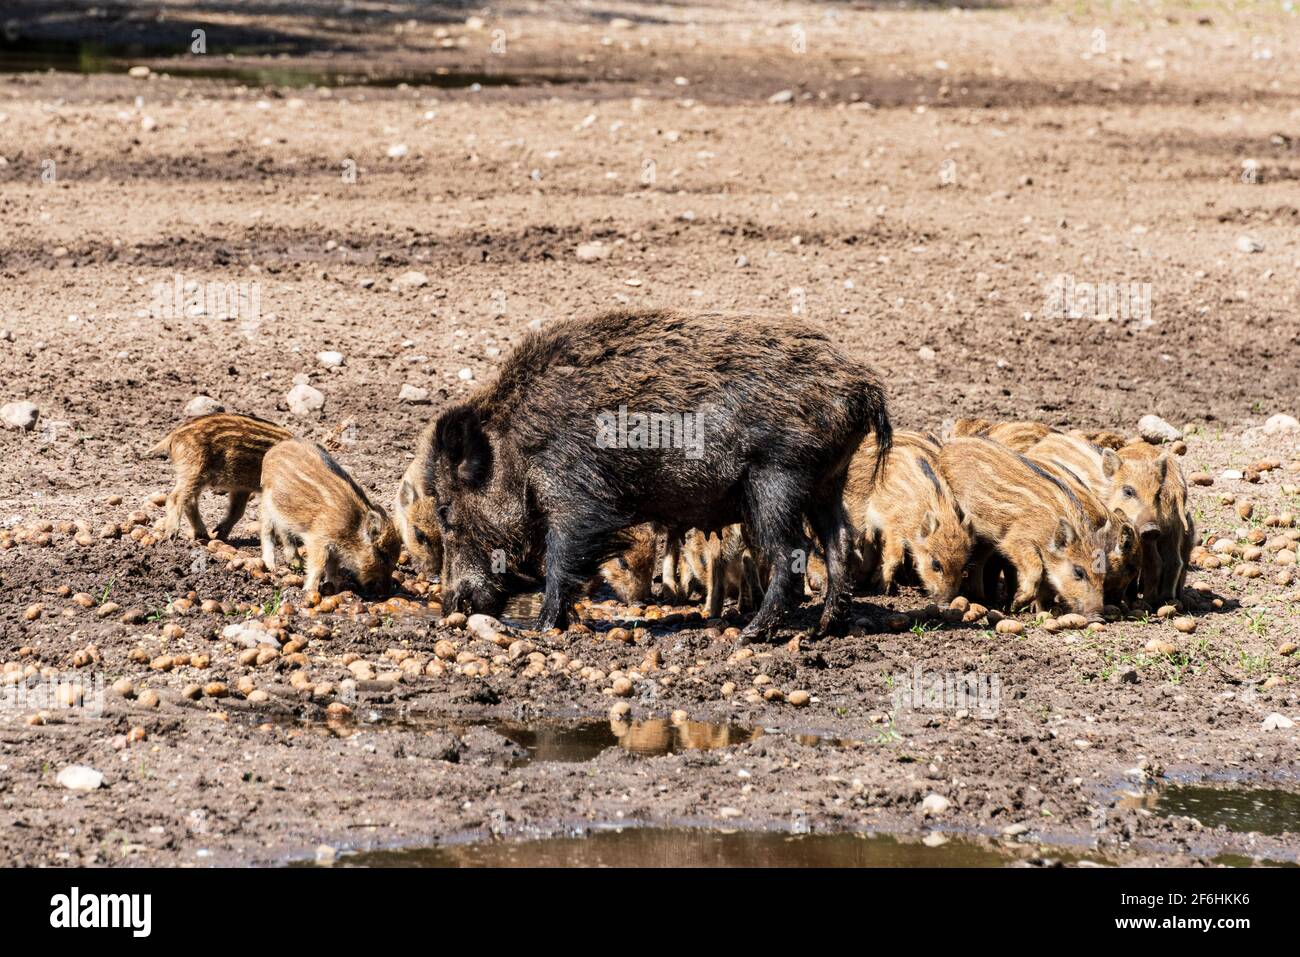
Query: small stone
pixel 303 400
pixel 20 415
pixel 78 777
pixel 934 805
pixel 1161 646
pixel 148 698
pixel 1277 722
pixel 1009 626
pixel 622 687
pixel 1249 244
pixel 202 405
pixel 398 150
pixel 1281 423
pixel 414 279
pixel 780 97
pixel 592 252
pixel 1156 430
pixel 799 698
pixel 1201 478
pixel 413 394
pixel 1184 625
pixel 330 360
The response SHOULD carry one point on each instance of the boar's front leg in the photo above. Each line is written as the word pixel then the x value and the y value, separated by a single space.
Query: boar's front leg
pixel 774 507
pixel 572 557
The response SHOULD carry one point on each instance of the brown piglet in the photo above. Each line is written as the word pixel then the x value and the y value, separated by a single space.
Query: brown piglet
pixel 1033 519
pixel 415 510
pixel 308 497
pixel 908 509
pixel 220 452
pixel 1014 435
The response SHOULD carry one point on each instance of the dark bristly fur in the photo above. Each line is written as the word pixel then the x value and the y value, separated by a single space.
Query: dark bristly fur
pixel 517 468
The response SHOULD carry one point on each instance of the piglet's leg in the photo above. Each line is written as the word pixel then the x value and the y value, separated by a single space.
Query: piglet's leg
pixel 234 512
pixel 268 539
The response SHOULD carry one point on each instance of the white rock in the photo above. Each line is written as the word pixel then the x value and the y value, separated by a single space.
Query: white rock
pixel 935 804
pixel 301 378
pixel 20 415
pixel 465 375
pixel 78 777
pixel 398 150
pixel 934 839
pixel 331 360
pixel 1248 244
pixel 592 252
pixel 148 124
pixel 1156 430
pixel 411 280
pixel 1281 423
pixel 304 400
pixel 1231 475
pixel 1277 722
pixel 782 96
pixel 202 405
pixel 1015 830
pixel 926 353
pixel 139 72
pixel 413 394
pixel 485 626
pixel 250 634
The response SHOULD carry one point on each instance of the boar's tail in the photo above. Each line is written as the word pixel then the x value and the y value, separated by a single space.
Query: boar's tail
pixel 161 450
pixel 878 418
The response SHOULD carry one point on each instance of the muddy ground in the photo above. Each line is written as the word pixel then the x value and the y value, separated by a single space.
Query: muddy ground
pixel 926 176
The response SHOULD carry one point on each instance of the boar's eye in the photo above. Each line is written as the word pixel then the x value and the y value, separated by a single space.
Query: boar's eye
pixel 1079 573
pixel 936 564
pixel 1129 491
pixel 444 516
pixel 420 537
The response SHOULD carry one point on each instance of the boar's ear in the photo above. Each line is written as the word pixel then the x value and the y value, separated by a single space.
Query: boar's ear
pixel 1127 533
pixel 928 525
pixel 462 440
pixel 407 495
pixel 1162 467
pixel 373 526
pixel 1109 462
pixel 1063 537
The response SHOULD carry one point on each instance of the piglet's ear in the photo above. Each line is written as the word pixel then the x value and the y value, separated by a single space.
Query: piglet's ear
pixel 374 525
pixel 408 495
pixel 461 440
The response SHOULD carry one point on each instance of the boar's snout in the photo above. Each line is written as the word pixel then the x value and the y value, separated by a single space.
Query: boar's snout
pixel 474 597
pixel 1149 531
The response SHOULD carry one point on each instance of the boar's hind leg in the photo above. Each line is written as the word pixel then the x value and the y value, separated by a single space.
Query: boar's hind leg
pixel 828 522
pixel 774 507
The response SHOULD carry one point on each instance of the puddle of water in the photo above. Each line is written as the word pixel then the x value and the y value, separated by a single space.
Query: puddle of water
pixel 692 847
pixel 26 55
pixel 584 740
pixel 1238 809
pixel 572 740
pixel 1241 860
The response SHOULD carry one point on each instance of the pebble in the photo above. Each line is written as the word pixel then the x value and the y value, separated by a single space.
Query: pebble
pixel 303 400
pixel 1277 722
pixel 330 360
pixel 799 698
pixel 1184 625
pixel 1288 648
pixel 1156 430
pixel 780 97
pixel 148 699
pixel 414 279
pixel 934 805
pixel 1281 423
pixel 1249 244
pixel 1161 646
pixel 592 252
pixel 1072 622
pixel 622 687
pixel 1201 478
pixel 20 415
pixel 78 777
pixel 1009 626
pixel 413 394
pixel 202 405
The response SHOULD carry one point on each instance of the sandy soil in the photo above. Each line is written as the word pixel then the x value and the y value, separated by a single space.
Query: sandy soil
pixel 929 174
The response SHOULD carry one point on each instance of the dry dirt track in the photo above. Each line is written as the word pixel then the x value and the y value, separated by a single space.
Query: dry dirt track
pixel 929 173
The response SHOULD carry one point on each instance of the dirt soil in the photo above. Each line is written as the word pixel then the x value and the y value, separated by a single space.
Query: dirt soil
pixel 911 178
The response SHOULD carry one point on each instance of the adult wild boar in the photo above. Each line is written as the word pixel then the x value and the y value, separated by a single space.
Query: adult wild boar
pixel 594 425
